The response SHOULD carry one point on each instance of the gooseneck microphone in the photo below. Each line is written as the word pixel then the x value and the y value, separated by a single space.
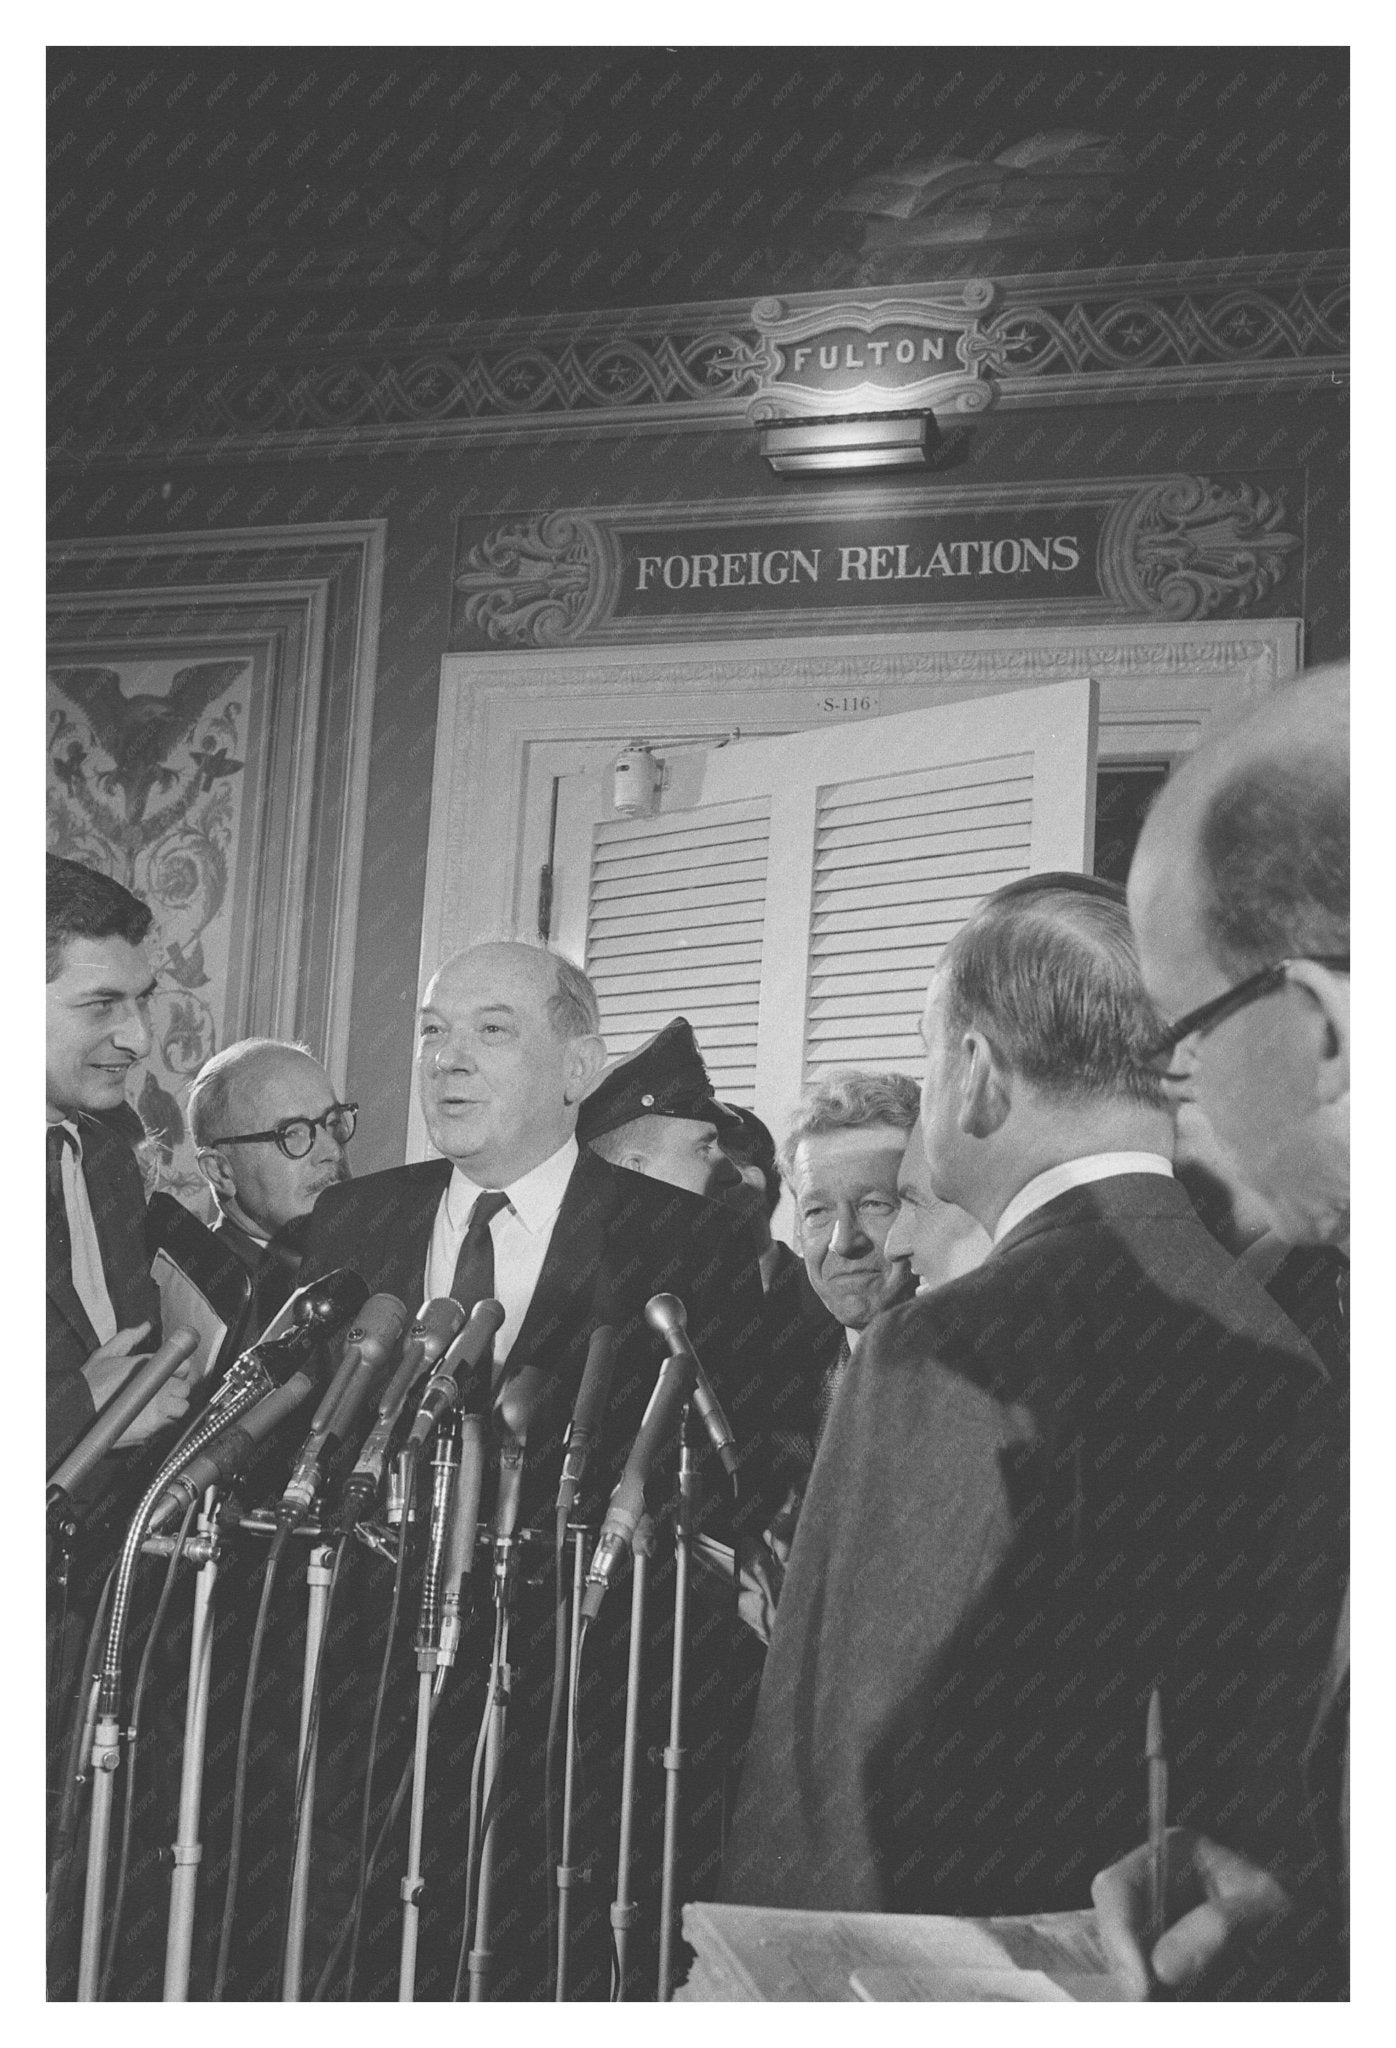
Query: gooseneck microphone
pixel 368 1349
pixel 223 1461
pixel 438 1322
pixel 665 1313
pixel 291 1339
pixel 462 1378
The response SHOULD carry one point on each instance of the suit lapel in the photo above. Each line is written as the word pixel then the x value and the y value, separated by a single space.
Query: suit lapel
pixel 562 1300
pixel 412 1222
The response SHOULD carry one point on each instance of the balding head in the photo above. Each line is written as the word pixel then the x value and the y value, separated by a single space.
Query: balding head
pixel 1255 823
pixel 507 1048
pixel 1243 863
pixel 258 1085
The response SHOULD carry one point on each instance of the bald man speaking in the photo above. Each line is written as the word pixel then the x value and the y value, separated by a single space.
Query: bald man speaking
pixel 508 1046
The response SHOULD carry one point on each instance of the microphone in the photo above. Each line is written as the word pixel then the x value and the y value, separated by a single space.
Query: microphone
pixel 224 1460
pixel 436 1324
pixel 124 1406
pixel 313 1313
pixel 368 1347
pixel 665 1313
pixel 587 1416
pixel 458 1379
pixel 459 1552
pixel 671 1390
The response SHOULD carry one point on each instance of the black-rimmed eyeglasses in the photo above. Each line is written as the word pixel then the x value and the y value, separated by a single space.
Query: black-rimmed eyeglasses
pixel 1159 1057
pixel 295 1135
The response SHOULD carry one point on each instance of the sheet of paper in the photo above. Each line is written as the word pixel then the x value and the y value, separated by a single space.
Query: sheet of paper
pixel 880 1982
pixel 182 1302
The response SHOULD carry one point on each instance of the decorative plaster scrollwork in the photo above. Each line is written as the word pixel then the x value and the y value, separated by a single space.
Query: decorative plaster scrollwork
pixel 1189 548
pixel 537 583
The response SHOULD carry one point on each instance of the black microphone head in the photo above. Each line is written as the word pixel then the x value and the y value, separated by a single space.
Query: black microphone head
pixel 327 1302
pixel 665 1313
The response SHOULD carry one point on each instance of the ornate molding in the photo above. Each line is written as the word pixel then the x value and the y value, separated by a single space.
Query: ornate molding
pixel 1080 337
pixel 1174 547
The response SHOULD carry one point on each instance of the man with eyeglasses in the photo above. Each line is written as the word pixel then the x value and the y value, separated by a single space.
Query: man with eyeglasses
pixel 1239 899
pixel 272 1135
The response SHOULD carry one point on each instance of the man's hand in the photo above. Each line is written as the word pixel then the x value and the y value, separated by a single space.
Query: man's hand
pixel 108 1370
pixel 1217 1901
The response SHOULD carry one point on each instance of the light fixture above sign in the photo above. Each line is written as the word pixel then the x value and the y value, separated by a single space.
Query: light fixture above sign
pixel 901 440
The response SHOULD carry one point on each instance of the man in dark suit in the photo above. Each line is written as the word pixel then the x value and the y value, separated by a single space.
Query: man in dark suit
pixel 508 1048
pixel 1239 898
pixel 102 1301
pixel 272 1135
pixel 1045 1489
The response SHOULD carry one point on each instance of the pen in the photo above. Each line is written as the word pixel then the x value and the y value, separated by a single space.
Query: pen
pixel 1157 1764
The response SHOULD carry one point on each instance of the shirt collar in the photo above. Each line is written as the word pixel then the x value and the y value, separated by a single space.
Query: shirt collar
pixel 535 1197
pixel 1076 1173
pixel 67 1123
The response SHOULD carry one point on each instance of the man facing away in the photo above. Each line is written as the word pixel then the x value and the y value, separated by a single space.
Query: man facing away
pixel 1239 898
pixel 1042 1490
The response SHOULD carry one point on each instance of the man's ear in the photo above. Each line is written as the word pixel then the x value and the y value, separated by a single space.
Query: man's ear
pixel 217 1172
pixel 586 1061
pixel 1330 997
pixel 984 1096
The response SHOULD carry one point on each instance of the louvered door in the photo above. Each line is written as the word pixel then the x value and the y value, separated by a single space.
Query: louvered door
pixel 795 913
pixel 674 928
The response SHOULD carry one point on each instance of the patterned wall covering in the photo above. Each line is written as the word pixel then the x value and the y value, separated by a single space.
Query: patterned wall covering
pixel 147 780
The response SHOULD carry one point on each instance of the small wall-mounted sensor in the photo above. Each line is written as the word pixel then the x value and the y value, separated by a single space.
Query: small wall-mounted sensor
pixel 636 781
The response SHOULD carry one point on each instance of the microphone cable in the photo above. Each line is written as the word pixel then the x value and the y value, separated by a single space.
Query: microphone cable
pixel 132 1736
pixel 230 1895
pixel 404 1785
pixel 474 1837
pixel 300 1819
pixel 65 1827
pixel 366 1820
pixel 553 1835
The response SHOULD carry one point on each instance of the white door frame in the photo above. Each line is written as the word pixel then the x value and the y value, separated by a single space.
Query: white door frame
pixel 1160 687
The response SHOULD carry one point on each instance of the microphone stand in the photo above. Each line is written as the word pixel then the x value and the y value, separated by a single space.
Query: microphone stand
pixel 684 1527
pixel 187 1850
pixel 511 1455
pixel 567 1876
pixel 317 1579
pixel 624 1910
pixel 445 1474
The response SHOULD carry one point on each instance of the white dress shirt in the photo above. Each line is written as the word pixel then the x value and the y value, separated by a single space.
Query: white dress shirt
pixel 88 1278
pixel 1077 1173
pixel 521 1235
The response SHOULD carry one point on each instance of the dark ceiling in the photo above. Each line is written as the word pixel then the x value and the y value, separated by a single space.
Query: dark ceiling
pixel 271 197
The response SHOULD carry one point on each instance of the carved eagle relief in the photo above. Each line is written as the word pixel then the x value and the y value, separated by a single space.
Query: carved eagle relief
pixel 141 731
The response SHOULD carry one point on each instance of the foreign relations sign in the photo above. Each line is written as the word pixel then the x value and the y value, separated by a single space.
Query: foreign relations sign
pixel 1171 547
pixel 872 562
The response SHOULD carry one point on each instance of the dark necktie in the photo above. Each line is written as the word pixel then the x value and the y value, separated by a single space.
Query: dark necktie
pixel 60 1243
pixel 473 1279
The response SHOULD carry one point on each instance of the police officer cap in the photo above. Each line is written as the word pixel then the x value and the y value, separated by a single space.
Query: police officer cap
pixel 666 1077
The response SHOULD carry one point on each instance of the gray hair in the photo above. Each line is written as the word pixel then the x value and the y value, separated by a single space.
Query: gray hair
pixel 209 1098
pixel 572 1006
pixel 1272 860
pixel 1052 980
pixel 850 1100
